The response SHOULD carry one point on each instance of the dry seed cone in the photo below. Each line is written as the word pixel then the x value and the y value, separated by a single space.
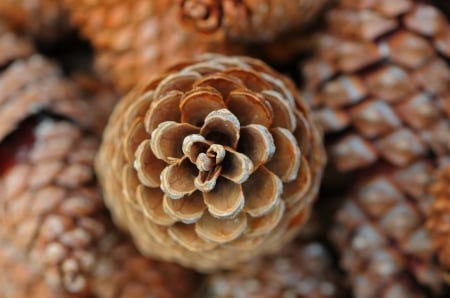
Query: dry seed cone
pixel 381 82
pixel 299 270
pixel 119 271
pixel 381 235
pixel 20 279
pixel 45 20
pixel 136 38
pixel 213 164
pixel 248 20
pixel 50 207
pixel 439 217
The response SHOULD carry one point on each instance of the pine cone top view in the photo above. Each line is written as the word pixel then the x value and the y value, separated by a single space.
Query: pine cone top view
pixel 219 158
pixel 381 83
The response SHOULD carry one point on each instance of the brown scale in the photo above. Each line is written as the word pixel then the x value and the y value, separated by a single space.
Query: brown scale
pixel 219 162
pixel 380 81
pixel 438 218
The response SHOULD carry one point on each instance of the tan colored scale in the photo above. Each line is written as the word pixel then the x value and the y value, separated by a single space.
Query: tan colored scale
pixel 248 20
pixel 299 270
pixel 216 162
pixel 136 38
pixel 438 218
pixel 380 82
pixel 380 233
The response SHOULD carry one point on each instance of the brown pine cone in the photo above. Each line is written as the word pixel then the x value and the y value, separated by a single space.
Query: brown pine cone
pixel 218 162
pixel 381 235
pixel 30 84
pixel 136 38
pixel 45 20
pixel 248 20
pixel 119 271
pixel 299 270
pixel 50 204
pixel 438 222
pixel 20 279
pixel 381 82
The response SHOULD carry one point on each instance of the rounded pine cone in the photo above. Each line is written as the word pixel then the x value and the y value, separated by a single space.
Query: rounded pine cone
pixel 299 270
pixel 380 81
pixel 214 163
pixel 248 20
pixel 438 222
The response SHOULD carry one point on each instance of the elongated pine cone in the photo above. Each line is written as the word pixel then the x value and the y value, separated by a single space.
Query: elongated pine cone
pixel 50 207
pixel 381 235
pixel 213 164
pixel 136 38
pixel 45 20
pixel 248 20
pixel 438 222
pixel 380 81
pixel 299 270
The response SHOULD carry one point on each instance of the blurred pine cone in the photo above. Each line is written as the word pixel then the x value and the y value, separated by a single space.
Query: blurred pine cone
pixel 45 20
pixel 381 82
pixel 248 20
pixel 381 235
pixel 50 205
pixel 438 221
pixel 136 38
pixel 299 270
pixel 218 162
pixel 119 271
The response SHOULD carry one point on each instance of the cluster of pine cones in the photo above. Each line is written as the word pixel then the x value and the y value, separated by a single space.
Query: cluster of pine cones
pixel 224 148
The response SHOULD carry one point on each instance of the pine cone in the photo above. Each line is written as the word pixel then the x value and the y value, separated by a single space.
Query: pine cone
pixel 136 38
pixel 248 20
pixel 220 162
pixel 381 82
pixel 300 270
pixel 50 206
pixel 381 235
pixel 119 271
pixel 45 20
pixel 20 279
pixel 438 218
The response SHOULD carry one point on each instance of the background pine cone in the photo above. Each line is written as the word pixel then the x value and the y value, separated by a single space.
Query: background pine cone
pixel 248 20
pixel 299 270
pixel 438 218
pixel 381 82
pixel 136 38
pixel 219 156
pixel 45 20
pixel 381 235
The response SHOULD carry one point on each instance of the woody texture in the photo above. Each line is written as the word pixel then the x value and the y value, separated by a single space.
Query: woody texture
pixel 213 164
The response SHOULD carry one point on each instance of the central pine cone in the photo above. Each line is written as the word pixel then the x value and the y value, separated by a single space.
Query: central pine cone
pixel 213 164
